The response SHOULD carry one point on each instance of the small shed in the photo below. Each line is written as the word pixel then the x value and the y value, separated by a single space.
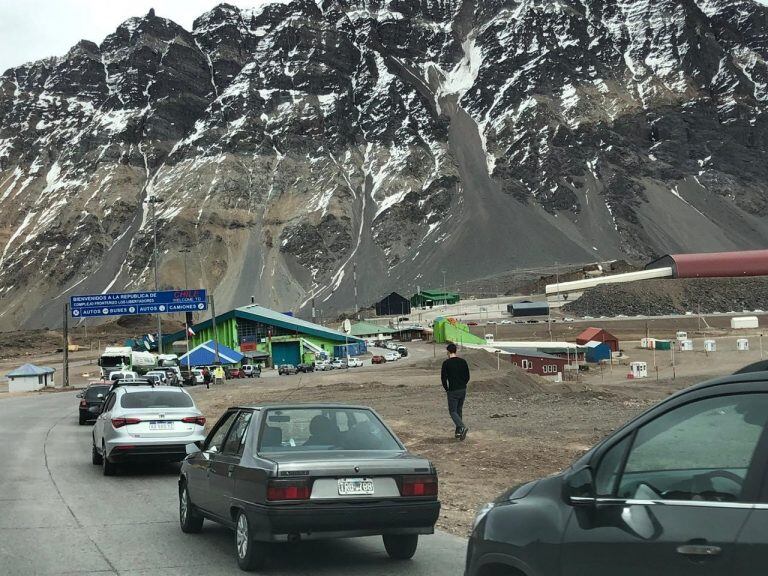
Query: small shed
pixel 710 346
pixel 29 377
pixel 742 345
pixel 593 334
pixel 598 351
pixel 680 336
pixel 686 345
pixel 638 370
pixel 648 343
pixel 393 305
pixel 663 345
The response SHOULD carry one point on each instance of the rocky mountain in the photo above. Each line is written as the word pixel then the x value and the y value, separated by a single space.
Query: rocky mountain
pixel 289 144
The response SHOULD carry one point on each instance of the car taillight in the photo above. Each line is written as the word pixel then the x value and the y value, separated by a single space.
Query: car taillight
pixel 419 486
pixel 83 403
pixel 287 490
pixel 199 420
pixel 120 422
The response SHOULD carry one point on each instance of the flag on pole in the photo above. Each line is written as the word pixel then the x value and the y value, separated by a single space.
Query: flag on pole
pixel 190 332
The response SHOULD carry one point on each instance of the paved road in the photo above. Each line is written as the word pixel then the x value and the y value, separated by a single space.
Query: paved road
pixel 59 515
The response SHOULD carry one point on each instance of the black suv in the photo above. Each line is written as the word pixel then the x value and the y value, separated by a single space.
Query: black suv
pixel 91 400
pixel 682 489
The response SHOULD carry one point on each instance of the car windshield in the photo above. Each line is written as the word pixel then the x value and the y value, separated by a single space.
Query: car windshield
pixel 93 392
pixel 311 429
pixel 156 399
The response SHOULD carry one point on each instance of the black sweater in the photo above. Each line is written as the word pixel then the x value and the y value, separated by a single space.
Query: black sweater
pixel 455 374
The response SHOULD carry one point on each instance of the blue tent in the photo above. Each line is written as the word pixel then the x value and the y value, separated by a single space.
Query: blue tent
pixel 205 355
pixel 597 351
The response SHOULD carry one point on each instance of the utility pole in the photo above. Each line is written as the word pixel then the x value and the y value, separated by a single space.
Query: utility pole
pixel 215 332
pixel 152 200
pixel 445 298
pixel 354 282
pixel 65 333
pixel 186 251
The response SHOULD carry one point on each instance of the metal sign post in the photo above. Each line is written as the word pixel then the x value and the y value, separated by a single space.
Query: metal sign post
pixel 215 332
pixel 65 363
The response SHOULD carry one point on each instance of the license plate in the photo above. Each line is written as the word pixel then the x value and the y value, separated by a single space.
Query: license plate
pixel 160 425
pixel 355 486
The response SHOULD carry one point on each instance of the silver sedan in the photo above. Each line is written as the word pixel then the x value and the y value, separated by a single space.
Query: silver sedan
pixel 145 423
pixel 299 472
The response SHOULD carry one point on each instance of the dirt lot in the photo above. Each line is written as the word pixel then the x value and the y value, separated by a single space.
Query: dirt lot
pixel 522 427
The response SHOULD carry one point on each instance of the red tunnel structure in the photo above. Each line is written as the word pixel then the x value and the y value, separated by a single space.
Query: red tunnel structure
pixel 715 265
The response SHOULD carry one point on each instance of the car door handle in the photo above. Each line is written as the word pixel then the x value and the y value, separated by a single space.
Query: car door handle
pixel 699 550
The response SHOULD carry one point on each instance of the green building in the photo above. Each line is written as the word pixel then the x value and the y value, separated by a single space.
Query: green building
pixel 369 330
pixel 433 298
pixel 254 329
pixel 449 330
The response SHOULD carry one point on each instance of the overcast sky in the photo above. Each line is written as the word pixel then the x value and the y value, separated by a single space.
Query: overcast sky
pixel 34 29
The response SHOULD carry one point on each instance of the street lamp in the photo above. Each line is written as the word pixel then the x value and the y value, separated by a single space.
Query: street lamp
pixel 152 200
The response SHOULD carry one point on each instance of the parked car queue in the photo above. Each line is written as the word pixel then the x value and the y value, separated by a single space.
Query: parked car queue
pixel 680 489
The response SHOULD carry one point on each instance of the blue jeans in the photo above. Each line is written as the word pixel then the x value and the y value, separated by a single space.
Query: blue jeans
pixel 455 406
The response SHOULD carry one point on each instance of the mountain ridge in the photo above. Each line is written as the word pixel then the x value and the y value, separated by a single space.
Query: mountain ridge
pixel 293 142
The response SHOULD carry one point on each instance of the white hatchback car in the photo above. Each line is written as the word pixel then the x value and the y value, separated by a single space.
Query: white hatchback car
pixel 145 423
pixel 391 356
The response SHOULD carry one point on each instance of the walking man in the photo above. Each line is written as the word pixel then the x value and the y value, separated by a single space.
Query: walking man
pixel 207 378
pixel 455 376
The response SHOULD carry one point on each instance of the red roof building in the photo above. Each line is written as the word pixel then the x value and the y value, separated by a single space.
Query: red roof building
pixel 535 362
pixel 598 335
pixel 715 265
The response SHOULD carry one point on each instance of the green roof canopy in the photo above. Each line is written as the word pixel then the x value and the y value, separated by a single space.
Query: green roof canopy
pixel 264 315
pixel 369 329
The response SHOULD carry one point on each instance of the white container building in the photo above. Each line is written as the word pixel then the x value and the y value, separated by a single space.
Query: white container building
pixel 638 370
pixel 742 345
pixel 744 322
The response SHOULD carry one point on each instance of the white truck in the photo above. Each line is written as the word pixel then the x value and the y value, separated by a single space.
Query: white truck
pixel 124 358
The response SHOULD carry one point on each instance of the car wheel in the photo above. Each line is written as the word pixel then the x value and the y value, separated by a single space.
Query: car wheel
pixel 108 468
pixel 189 518
pixel 401 546
pixel 251 555
pixel 95 456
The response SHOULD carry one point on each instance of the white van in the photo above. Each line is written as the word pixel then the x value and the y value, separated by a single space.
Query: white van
pixel 116 375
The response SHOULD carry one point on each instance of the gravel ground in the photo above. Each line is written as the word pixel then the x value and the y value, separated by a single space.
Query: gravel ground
pixel 678 296
pixel 521 427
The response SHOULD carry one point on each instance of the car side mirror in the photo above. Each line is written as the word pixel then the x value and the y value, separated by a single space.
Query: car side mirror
pixel 193 448
pixel 579 488
pixel 79 395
